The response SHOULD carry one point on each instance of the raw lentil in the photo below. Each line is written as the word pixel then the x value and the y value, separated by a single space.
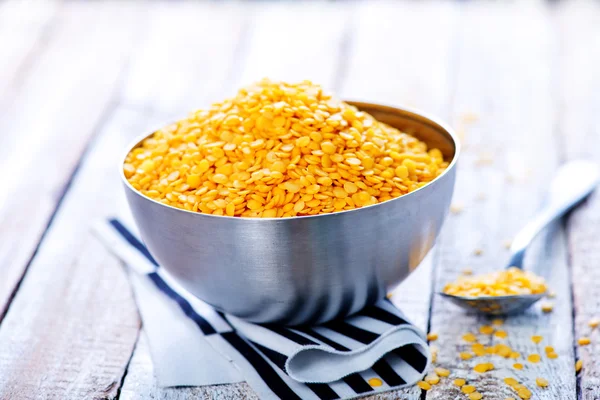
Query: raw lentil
pixel 584 341
pixel 375 382
pixel 468 389
pixel 501 283
pixel 541 382
pixel 459 382
pixel 271 147
pixel 534 358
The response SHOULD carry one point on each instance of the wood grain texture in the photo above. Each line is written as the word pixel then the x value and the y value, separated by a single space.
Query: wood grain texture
pixel 509 155
pixel 69 332
pixel 580 137
pixel 24 26
pixel 49 121
pixel 72 326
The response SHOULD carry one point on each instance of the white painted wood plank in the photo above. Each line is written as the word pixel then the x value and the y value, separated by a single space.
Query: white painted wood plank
pixel 72 325
pixel 49 121
pixel 178 66
pixel 506 76
pixel 580 136
pixel 295 42
pixel 23 30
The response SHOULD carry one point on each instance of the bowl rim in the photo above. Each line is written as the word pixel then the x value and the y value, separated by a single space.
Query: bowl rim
pixel 428 118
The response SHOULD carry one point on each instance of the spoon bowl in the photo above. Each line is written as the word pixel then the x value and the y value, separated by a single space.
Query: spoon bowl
pixel 495 305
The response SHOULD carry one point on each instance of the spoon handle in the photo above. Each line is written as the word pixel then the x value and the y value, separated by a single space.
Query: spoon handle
pixel 572 183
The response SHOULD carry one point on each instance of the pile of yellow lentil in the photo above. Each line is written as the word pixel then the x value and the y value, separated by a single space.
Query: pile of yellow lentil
pixel 512 281
pixel 279 150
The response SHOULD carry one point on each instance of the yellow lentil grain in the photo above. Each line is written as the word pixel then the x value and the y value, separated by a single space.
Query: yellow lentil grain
pixel 475 396
pixel 501 334
pixel 518 366
pixel 486 330
pixel 514 354
pixel 432 336
pixel 424 385
pixel 459 382
pixel 594 322
pixel 534 358
pixel 511 381
pixel 578 365
pixel 547 307
pixel 467 271
pixel 465 356
pixel 510 398
pixel 541 382
pixel 552 355
pixel 456 208
pixel 375 382
pixel 484 367
pixel 536 339
pixel 434 353
pixel 524 393
pixel 350 187
pixel 282 142
pixel 468 389
pixel 498 322
pixel 442 371
pixel 469 337
pixel 432 378
pixel 478 252
pixel 583 341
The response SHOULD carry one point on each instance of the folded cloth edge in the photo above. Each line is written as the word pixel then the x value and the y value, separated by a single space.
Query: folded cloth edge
pixel 320 371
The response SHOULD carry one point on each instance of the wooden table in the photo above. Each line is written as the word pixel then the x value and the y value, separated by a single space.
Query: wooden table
pixel 519 82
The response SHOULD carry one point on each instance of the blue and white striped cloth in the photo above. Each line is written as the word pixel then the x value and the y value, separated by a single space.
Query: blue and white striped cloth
pixel 193 344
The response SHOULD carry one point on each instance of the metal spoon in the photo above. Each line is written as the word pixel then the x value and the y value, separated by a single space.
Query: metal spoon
pixel 573 182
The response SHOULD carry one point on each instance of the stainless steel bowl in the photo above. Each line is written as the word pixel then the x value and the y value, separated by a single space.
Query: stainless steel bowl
pixel 303 269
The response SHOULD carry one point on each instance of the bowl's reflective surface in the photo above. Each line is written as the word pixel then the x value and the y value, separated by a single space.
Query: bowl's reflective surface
pixel 303 269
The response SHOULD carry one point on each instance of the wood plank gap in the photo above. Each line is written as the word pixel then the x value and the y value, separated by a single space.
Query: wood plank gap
pixel 126 369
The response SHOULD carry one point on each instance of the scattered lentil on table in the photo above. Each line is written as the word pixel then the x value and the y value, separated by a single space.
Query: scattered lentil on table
pixel 279 150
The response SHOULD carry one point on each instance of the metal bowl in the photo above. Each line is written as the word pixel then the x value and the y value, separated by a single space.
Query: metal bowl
pixel 303 269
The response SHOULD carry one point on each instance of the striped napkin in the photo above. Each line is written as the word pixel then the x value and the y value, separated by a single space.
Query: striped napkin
pixel 192 344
